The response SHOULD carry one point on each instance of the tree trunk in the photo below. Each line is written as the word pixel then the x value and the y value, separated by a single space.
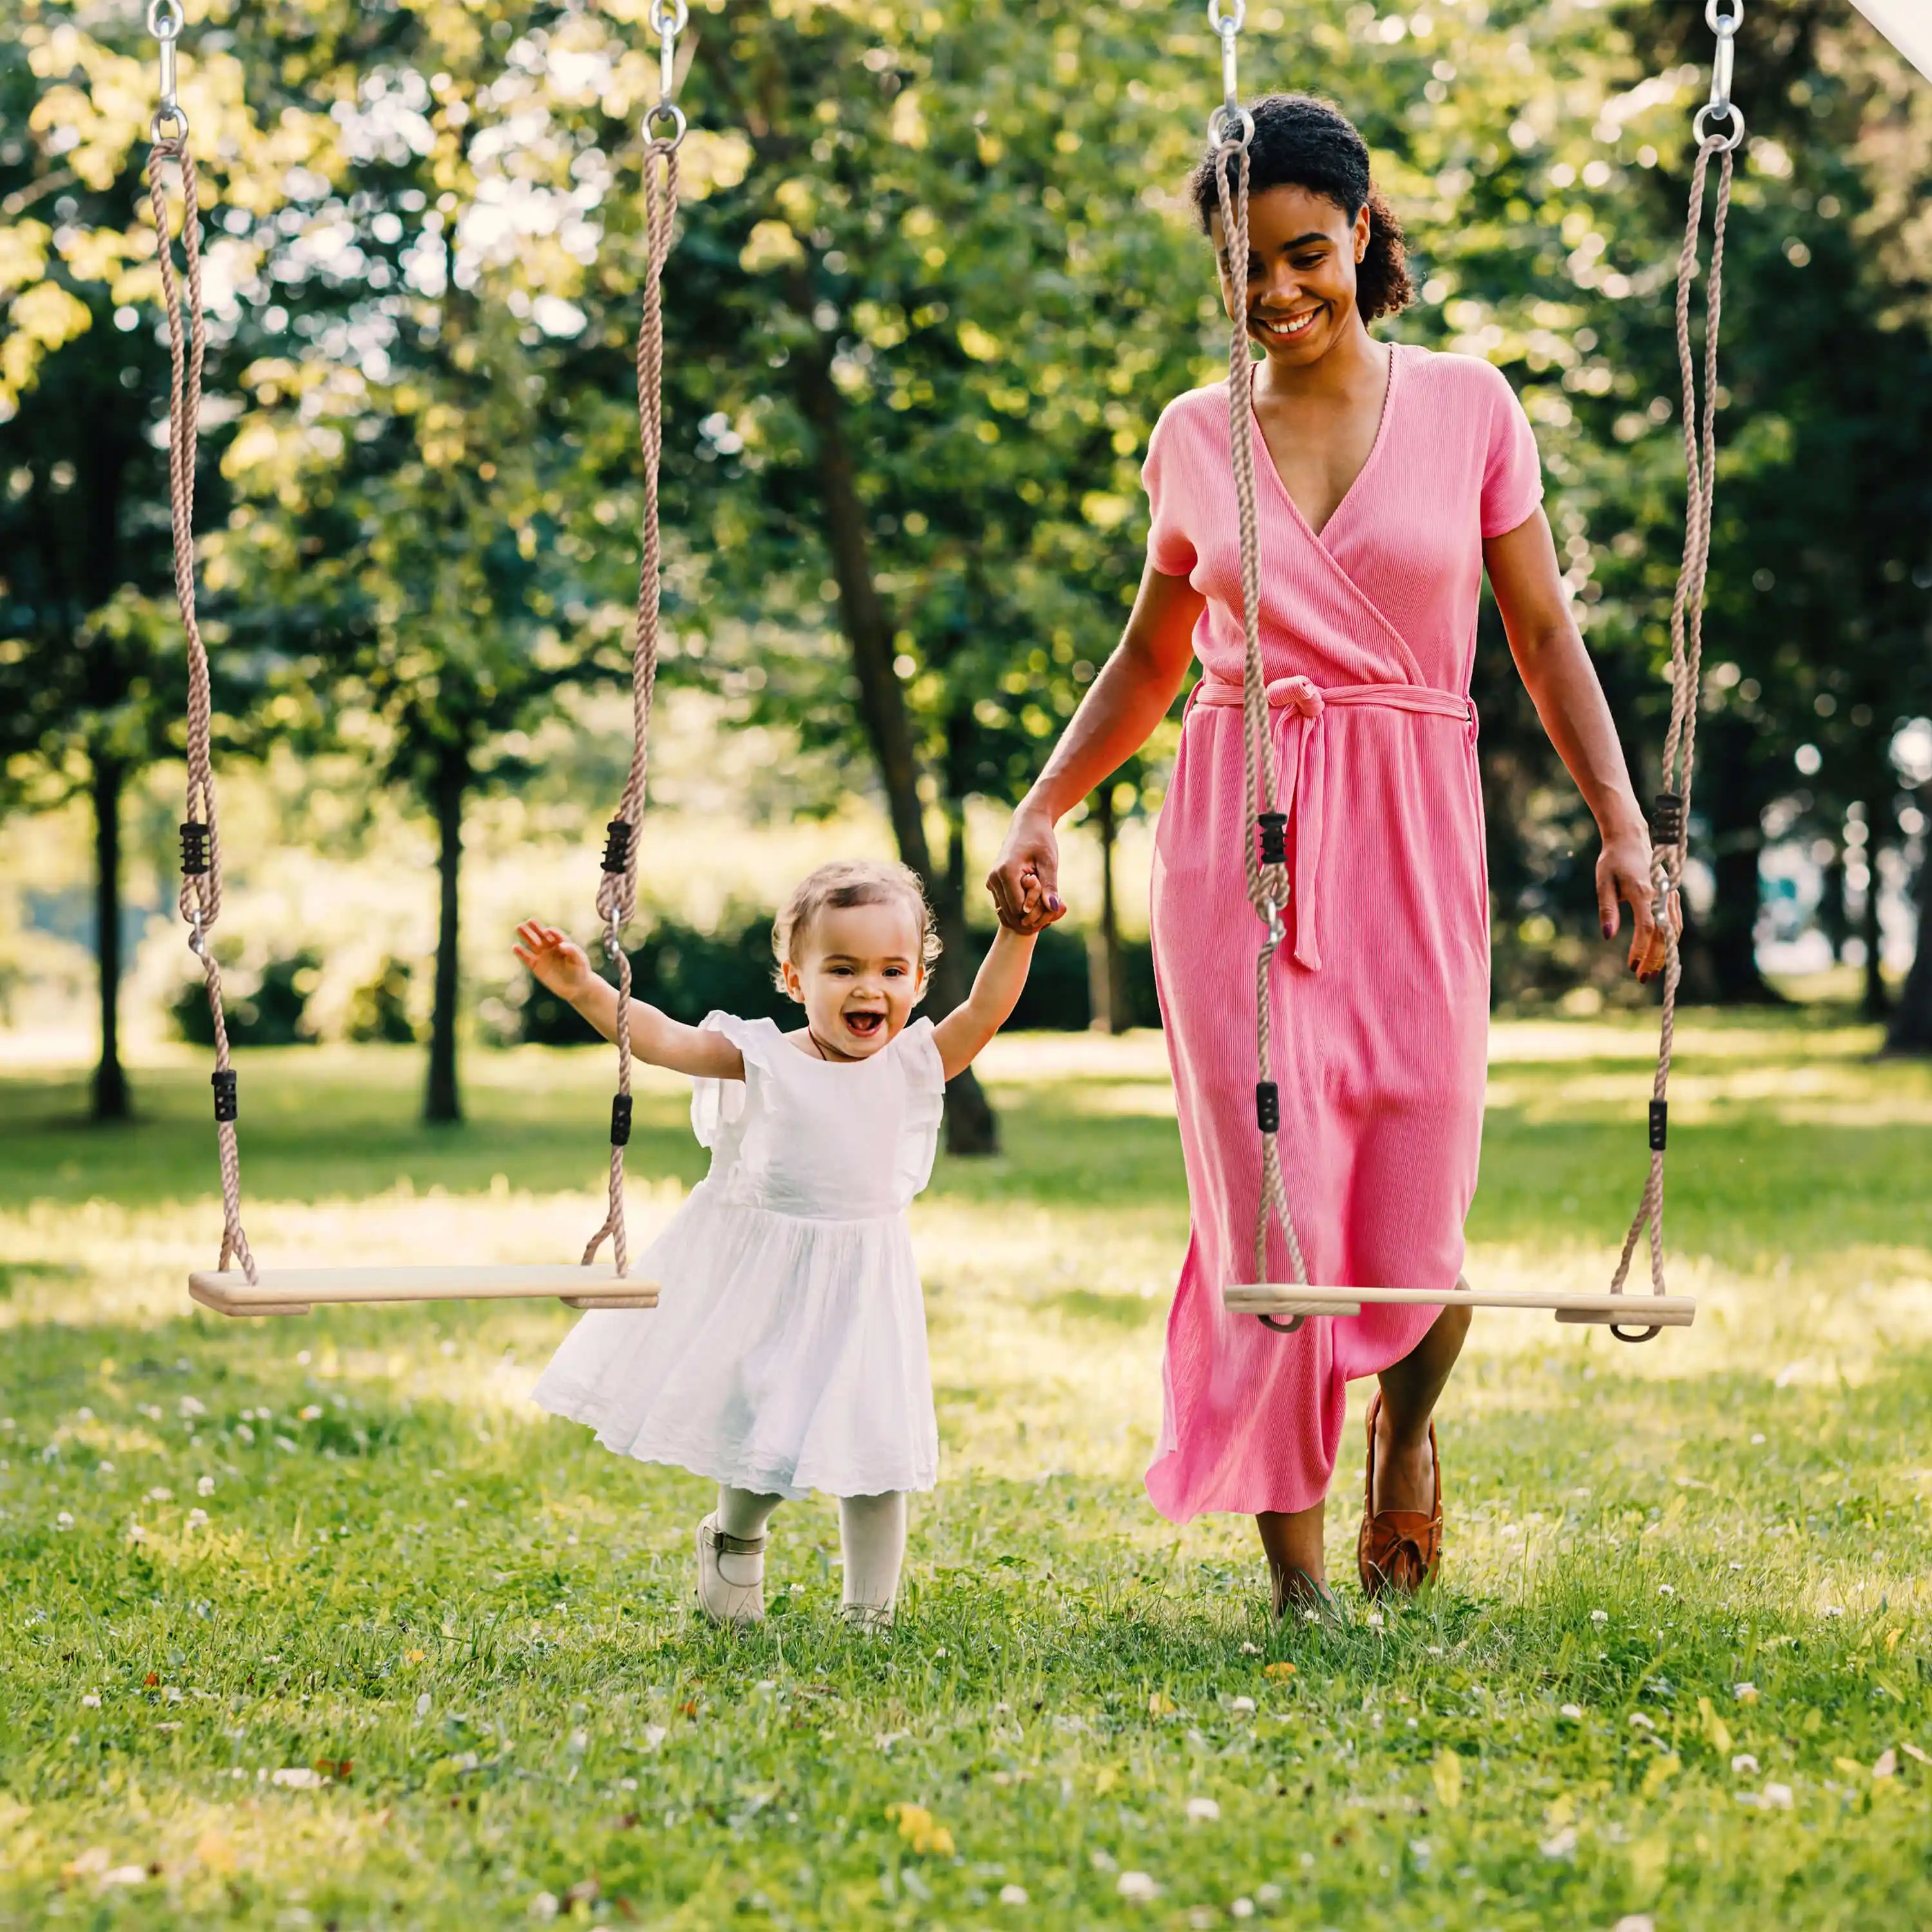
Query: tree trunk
pixel 1833 919
pixel 1874 1006
pixel 1107 992
pixel 443 1103
pixel 1720 950
pixel 1911 1028
pixel 110 1081
pixel 971 1126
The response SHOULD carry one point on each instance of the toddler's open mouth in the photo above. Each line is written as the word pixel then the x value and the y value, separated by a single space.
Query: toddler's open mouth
pixel 866 1025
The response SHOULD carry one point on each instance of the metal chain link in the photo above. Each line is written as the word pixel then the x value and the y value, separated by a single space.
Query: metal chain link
pixel 617 890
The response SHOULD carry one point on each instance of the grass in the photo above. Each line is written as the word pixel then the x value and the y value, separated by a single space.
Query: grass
pixel 430 1660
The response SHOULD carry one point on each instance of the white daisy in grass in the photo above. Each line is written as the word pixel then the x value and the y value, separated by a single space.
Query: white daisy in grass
pixel 1013 1895
pixel 1203 1810
pixel 1744 1765
pixel 1137 1886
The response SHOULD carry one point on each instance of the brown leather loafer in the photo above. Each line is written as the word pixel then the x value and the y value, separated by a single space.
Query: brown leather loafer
pixel 1398 1550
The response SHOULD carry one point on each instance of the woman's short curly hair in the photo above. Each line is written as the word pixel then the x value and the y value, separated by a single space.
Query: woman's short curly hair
pixel 1299 141
pixel 850 882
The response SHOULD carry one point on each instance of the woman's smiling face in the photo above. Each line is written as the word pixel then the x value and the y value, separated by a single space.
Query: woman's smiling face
pixel 1299 294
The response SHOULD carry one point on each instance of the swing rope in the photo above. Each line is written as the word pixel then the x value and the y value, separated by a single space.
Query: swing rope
pixel 1264 854
pixel 1671 823
pixel 617 890
pixel 200 899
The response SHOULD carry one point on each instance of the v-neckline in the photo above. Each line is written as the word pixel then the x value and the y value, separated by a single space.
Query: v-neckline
pixel 1320 537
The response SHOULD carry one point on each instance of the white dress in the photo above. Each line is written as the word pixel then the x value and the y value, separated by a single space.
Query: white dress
pixel 787 1352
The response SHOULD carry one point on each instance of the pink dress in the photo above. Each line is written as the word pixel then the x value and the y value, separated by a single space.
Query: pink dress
pixel 1381 993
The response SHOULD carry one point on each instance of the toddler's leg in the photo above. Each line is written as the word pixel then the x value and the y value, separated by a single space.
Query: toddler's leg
pixel 872 1532
pixel 731 1556
pixel 744 1512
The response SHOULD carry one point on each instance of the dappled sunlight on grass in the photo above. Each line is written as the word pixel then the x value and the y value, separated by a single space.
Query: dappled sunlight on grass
pixel 347 1549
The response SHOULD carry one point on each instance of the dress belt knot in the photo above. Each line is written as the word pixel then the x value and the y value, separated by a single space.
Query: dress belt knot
pixel 1300 705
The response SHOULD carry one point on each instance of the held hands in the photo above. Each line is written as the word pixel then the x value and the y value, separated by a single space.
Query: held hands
pixel 1024 882
pixel 555 960
pixel 1623 873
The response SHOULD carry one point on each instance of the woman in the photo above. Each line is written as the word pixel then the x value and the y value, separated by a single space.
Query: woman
pixel 1389 479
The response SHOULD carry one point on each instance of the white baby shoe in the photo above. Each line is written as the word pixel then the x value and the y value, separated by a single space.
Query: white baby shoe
pixel 730 1575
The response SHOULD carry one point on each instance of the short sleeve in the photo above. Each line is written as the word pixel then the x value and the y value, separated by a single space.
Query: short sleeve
pixel 917 1053
pixel 1512 469
pixel 716 1105
pixel 1170 549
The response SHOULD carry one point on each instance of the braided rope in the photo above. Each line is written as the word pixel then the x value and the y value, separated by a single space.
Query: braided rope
pixel 617 891
pixel 200 894
pixel 1687 651
pixel 1267 885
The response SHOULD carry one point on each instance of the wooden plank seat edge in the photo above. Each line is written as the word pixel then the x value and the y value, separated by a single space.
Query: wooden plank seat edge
pixel 298 1290
pixel 1637 1309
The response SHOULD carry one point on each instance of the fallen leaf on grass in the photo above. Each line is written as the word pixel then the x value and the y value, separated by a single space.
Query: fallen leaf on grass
pixel 1715 1729
pixel 1661 1770
pixel 921 1830
pixel 1159 1704
pixel 1887 1766
pixel 1913 1751
pixel 1278 1673
pixel 1446 1774
pixel 215 1852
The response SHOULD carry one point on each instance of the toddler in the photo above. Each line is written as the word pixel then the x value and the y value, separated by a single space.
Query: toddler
pixel 787 1351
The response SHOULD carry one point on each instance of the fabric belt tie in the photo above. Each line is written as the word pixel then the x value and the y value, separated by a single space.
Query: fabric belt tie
pixel 1300 703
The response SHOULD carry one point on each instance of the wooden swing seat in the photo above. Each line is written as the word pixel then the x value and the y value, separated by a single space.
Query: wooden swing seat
pixel 1283 1300
pixel 297 1291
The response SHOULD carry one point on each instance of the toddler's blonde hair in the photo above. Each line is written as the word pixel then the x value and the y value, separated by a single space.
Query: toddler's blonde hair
pixel 850 882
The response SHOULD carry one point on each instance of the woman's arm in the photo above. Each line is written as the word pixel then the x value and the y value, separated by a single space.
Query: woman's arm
pixel 560 963
pixel 996 990
pixel 1116 717
pixel 1556 670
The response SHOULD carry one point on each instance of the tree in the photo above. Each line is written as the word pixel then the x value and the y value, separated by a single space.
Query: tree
pixel 92 676
pixel 430 472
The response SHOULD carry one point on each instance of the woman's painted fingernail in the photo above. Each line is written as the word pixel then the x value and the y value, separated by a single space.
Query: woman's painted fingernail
pixel 1609 930
pixel 1053 902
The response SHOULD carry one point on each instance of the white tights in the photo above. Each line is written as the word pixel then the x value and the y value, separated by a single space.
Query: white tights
pixel 871 1532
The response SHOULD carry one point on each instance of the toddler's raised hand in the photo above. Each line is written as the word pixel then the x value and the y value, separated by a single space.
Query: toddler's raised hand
pixel 555 960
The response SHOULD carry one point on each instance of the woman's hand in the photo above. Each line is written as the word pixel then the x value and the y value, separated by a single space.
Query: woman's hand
pixel 1025 880
pixel 555 960
pixel 1623 872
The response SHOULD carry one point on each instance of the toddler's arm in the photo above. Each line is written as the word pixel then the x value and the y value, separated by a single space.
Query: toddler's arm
pixel 996 990
pixel 560 963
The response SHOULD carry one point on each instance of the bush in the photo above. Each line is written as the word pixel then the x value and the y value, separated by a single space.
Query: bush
pixel 265 1005
pixel 378 1013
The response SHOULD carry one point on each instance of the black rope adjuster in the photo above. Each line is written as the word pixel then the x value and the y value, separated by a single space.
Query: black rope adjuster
pixel 1660 1125
pixel 194 848
pixel 1666 818
pixel 1267 1106
pixel 620 1120
pixel 1274 837
pixel 227 1102
pixel 616 846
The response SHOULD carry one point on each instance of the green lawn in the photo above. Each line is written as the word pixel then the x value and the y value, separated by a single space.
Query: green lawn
pixel 316 1623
